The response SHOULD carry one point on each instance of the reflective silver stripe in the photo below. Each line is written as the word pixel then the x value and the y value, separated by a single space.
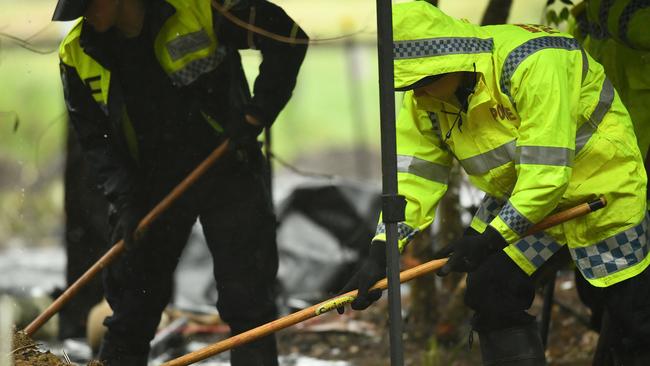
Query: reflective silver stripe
pixel 627 14
pixel 441 46
pixel 188 43
pixel 589 127
pixel 544 155
pixel 537 248
pixel 489 208
pixel 613 254
pixel 422 168
pixel 515 221
pixel 404 232
pixel 486 161
pixel 198 67
pixel 519 54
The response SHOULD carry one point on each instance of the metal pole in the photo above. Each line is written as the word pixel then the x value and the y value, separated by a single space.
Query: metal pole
pixel 392 204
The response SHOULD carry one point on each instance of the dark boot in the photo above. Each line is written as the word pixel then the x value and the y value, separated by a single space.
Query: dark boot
pixel 520 346
pixel 262 352
pixel 112 354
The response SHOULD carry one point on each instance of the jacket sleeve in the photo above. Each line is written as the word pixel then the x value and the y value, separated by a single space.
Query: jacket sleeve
pixel 423 166
pixel 96 138
pixel 546 90
pixel 280 60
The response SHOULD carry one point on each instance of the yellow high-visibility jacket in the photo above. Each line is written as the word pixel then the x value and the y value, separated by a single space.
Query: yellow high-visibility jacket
pixel 544 130
pixel 616 34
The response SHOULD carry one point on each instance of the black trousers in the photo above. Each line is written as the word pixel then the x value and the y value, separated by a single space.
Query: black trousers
pixel 86 237
pixel 621 313
pixel 234 209
pixel 500 293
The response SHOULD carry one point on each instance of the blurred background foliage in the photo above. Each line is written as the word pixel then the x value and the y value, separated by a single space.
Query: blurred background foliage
pixel 333 114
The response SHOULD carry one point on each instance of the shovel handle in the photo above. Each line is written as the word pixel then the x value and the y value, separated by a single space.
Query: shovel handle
pixel 341 300
pixel 118 247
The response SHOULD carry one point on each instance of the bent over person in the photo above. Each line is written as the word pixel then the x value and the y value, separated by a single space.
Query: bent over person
pixel 534 122
pixel 152 88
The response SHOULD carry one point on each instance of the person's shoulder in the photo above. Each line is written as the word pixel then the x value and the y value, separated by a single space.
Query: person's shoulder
pixel 510 39
pixel 72 38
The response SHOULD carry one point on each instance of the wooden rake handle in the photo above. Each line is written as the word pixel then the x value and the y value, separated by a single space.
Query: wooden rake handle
pixel 341 300
pixel 118 247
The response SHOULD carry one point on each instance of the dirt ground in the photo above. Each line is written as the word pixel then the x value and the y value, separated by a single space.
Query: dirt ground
pixel 361 338
pixel 26 352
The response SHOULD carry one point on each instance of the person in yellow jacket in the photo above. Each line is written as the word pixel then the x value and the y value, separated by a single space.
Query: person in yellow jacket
pixel 152 87
pixel 615 33
pixel 535 123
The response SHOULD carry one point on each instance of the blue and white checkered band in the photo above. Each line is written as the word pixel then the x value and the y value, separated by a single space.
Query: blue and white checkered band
pixel 441 46
pixel 519 54
pixel 537 248
pixel 613 254
pixel 198 67
pixel 515 221
pixel 603 12
pixel 489 208
pixel 404 231
pixel 628 12
pixel 598 29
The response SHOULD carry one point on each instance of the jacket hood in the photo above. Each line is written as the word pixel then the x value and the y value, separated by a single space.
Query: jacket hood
pixel 428 42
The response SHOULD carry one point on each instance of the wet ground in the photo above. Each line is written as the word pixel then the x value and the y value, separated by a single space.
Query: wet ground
pixel 355 339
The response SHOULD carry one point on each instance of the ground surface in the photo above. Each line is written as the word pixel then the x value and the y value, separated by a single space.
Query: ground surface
pixel 361 339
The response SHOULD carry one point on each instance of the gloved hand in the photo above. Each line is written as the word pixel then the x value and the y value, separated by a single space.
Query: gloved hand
pixel 468 252
pixel 372 270
pixel 245 130
pixel 128 217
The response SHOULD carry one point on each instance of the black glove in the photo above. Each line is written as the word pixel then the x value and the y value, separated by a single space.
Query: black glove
pixel 469 231
pixel 372 270
pixel 244 133
pixel 128 217
pixel 470 251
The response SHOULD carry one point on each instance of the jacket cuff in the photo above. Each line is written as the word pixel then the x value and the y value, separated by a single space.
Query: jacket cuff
pixel 508 234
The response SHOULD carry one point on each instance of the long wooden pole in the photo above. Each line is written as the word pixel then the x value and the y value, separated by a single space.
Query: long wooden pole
pixel 341 300
pixel 118 247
